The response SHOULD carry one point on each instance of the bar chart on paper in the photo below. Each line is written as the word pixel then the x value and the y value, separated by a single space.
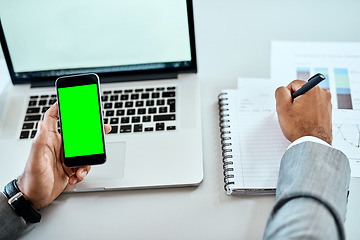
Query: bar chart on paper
pixel 340 64
pixel 345 95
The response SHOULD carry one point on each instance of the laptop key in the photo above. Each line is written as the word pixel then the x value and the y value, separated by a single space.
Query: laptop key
pixel 117 91
pixel 141 111
pixel 125 129
pixel 135 119
pixel 130 112
pixel 129 104
pixel 146 118
pixel 171 103
pixel 171 128
pixel 167 117
pixel 33 133
pixel 44 96
pixel 118 105
pixel 114 129
pixel 44 109
pixel 138 128
pixel 169 94
pixel 104 98
pixel 145 96
pixel 160 126
pixel 114 120
pixel 160 102
pixel 52 101
pixel 151 110
pixel 134 96
pixel 106 92
pixel 124 97
pixel 32 103
pixel 108 105
pixel 34 97
pixel 163 110
pixel 149 129
pixel 139 103
pixel 24 134
pixel 28 126
pixel 150 103
pixel 33 110
pixel 31 118
pixel 106 120
pixel 114 98
pixel 120 112
pixel 125 120
pixel 155 95
pixel 109 113
pixel 139 90
pixel 42 102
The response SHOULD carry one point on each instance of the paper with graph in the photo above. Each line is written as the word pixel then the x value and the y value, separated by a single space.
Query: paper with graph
pixel 340 63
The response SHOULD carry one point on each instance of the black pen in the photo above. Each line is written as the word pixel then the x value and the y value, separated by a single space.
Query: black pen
pixel 312 82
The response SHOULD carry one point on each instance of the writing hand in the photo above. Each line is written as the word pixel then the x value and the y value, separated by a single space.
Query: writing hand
pixel 45 175
pixel 306 115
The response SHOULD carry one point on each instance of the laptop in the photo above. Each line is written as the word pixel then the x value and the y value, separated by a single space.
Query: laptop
pixel 144 53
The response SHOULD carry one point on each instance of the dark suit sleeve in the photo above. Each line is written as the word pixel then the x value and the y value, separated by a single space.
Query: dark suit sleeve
pixel 311 195
pixel 11 225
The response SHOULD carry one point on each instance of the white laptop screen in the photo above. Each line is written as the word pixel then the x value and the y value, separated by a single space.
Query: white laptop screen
pixel 49 37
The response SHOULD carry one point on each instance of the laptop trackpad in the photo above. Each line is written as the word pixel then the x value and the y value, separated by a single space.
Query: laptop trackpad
pixel 113 168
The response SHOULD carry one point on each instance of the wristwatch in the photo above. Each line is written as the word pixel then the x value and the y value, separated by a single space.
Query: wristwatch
pixel 20 203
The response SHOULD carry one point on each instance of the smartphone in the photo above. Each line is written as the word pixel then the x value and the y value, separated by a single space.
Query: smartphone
pixel 81 120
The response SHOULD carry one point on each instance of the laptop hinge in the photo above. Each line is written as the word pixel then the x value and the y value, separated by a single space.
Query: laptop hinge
pixel 43 84
pixel 104 78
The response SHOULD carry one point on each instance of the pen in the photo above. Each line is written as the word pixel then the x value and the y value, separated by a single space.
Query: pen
pixel 312 82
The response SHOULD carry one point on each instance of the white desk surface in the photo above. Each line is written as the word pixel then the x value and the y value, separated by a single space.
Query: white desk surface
pixel 233 40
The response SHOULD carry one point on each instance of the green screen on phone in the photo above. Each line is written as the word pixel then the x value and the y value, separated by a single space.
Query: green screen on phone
pixel 80 120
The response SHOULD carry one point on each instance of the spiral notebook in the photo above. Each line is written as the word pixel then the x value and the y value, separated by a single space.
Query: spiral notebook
pixel 251 138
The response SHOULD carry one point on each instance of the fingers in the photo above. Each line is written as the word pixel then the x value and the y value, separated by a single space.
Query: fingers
pixel 283 99
pixel 79 174
pixel 51 117
pixel 107 128
pixel 295 85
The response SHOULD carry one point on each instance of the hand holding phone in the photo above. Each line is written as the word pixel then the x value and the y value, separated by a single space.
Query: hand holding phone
pixel 80 105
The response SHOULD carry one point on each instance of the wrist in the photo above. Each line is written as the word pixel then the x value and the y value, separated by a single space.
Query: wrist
pixel 20 204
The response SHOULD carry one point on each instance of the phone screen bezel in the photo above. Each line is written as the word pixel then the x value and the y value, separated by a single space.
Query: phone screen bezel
pixel 80 80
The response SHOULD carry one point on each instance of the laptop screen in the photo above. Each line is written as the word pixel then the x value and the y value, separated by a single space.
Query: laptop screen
pixel 48 38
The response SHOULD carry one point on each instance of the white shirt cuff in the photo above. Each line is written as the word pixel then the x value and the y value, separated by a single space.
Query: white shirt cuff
pixel 308 139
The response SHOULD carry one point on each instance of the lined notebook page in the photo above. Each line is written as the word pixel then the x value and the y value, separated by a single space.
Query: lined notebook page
pixel 258 143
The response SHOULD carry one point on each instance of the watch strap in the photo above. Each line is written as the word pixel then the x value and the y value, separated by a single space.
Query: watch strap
pixel 20 203
pixel 11 189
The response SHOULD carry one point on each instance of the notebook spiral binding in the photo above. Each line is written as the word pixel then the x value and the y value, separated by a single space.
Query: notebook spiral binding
pixel 226 141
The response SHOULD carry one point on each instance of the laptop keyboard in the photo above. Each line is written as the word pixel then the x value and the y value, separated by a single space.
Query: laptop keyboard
pixel 126 110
